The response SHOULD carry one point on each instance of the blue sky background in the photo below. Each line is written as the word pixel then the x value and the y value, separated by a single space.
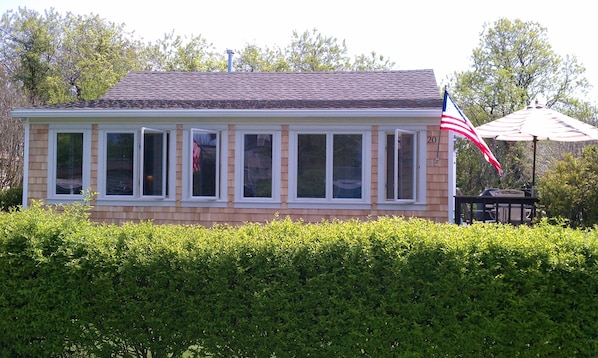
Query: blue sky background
pixel 414 34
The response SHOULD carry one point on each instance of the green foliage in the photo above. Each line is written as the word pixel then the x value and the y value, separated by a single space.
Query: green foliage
pixel 569 189
pixel 382 288
pixel 187 54
pixel 309 51
pixel 94 55
pixel 58 58
pixel 253 58
pixel 11 198
pixel 27 51
pixel 513 66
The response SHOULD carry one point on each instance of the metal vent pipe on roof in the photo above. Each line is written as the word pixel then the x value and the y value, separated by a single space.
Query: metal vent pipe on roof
pixel 230 60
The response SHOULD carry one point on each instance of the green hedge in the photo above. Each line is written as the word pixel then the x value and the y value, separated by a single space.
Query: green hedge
pixel 383 288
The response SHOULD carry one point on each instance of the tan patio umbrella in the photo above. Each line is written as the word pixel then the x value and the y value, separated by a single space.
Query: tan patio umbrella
pixel 537 122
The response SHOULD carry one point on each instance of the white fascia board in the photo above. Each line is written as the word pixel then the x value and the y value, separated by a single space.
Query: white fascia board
pixel 239 113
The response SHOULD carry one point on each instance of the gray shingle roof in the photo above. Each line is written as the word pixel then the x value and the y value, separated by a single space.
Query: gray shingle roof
pixel 414 89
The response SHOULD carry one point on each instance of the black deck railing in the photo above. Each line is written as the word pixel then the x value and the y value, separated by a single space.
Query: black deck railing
pixel 504 209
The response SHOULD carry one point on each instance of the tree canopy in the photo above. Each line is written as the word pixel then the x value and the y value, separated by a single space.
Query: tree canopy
pixel 309 51
pixel 513 66
pixel 60 58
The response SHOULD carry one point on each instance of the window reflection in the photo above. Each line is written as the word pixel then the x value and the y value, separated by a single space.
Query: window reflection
pixel 119 163
pixel 69 163
pixel 347 166
pixel 400 166
pixel 205 163
pixel 311 166
pixel 153 163
pixel 257 166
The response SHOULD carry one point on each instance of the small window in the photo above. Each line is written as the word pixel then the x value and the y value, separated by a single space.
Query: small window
pixel 257 166
pixel 400 165
pixel 154 157
pixel 69 163
pixel 205 159
pixel 347 166
pixel 311 166
pixel 120 164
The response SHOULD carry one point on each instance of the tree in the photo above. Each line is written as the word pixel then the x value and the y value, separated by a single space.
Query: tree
pixel 27 51
pixel 513 66
pixel 309 51
pixel 59 58
pixel 11 134
pixel 252 58
pixel 313 52
pixel 569 190
pixel 177 53
pixel 371 62
pixel 93 55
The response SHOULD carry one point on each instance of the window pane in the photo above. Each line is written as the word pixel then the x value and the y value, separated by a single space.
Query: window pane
pixel 257 179
pixel 311 166
pixel 205 163
pixel 347 165
pixel 119 163
pixel 69 163
pixel 402 175
pixel 406 166
pixel 153 163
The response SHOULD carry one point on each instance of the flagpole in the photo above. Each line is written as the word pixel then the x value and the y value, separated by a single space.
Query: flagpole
pixel 439 134
pixel 534 167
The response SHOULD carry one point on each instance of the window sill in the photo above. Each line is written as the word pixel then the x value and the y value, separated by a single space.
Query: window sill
pixel 134 202
pixel 402 206
pixel 67 199
pixel 204 203
pixel 340 205
pixel 250 204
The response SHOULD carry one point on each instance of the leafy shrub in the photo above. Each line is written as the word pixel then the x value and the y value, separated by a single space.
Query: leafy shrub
pixel 570 189
pixel 11 198
pixel 382 288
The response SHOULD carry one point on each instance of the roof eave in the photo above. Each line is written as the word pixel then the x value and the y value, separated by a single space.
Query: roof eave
pixel 228 113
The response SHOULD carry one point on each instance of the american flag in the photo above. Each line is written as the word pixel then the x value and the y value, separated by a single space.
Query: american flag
pixel 454 120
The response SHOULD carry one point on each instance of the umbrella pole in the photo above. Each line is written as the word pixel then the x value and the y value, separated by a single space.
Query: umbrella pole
pixel 535 141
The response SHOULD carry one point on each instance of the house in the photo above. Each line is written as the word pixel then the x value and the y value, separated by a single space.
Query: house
pixel 209 148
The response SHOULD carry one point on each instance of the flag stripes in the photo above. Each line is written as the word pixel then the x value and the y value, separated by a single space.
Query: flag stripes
pixel 454 120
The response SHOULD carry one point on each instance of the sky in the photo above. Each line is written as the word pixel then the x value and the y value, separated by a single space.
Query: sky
pixel 417 34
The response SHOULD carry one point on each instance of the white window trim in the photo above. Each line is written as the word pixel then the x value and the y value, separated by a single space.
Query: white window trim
pixel 240 199
pixel 137 199
pixel 221 198
pixel 52 197
pixel 418 203
pixel 329 202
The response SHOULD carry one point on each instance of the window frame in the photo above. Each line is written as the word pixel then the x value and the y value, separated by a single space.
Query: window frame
pixel 419 170
pixel 53 131
pixel 221 197
pixel 164 170
pixel 168 170
pixel 240 135
pixel 329 201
